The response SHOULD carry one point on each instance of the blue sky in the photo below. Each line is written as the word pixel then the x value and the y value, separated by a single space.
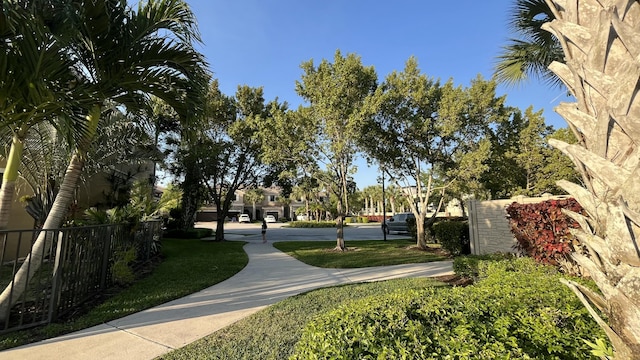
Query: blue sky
pixel 263 43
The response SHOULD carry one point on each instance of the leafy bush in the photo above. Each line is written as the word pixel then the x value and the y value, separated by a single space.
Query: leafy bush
pixel 121 269
pixel 467 266
pixel 453 235
pixel 542 231
pixel 312 224
pixel 519 310
pixel 429 234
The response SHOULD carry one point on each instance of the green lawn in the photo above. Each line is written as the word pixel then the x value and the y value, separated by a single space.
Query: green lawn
pixel 360 253
pixel 273 332
pixel 188 266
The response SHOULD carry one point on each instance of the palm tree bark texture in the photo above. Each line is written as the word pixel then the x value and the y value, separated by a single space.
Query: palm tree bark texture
pixel 601 68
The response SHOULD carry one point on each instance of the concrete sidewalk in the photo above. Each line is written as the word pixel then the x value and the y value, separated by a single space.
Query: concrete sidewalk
pixel 269 277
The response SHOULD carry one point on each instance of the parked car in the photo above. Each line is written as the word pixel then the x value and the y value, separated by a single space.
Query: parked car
pixel 244 218
pixel 270 218
pixel 398 222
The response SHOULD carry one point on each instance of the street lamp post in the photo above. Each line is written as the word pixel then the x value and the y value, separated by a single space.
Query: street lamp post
pixel 384 211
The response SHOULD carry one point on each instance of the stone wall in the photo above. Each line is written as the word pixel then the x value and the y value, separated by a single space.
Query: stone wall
pixel 488 225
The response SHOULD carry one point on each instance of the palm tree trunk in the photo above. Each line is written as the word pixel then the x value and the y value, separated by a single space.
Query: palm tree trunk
pixel 602 47
pixel 59 210
pixel 7 191
pixel 32 263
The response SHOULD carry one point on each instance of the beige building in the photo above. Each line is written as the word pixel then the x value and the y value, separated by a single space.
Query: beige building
pixel 270 205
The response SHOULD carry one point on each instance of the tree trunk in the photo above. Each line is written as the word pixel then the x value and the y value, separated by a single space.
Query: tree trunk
pixel 601 43
pixel 32 263
pixel 191 193
pixel 8 189
pixel 220 230
pixel 420 232
pixel 54 220
pixel 340 228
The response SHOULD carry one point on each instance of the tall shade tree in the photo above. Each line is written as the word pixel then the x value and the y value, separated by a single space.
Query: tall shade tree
pixel 427 136
pixel 530 54
pixel 469 116
pixel 529 155
pixel 403 135
pixel 228 152
pixel 335 93
pixel 601 44
pixel 288 145
pixel 521 161
pixel 125 56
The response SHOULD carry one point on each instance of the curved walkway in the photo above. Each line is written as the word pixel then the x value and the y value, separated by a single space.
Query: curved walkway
pixel 269 277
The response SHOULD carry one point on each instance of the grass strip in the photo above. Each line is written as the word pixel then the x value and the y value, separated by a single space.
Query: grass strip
pixel 359 254
pixel 188 266
pixel 273 332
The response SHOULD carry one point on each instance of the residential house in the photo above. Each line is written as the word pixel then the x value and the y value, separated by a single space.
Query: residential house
pixel 270 205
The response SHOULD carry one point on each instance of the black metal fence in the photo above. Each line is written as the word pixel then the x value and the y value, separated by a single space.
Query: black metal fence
pixel 75 265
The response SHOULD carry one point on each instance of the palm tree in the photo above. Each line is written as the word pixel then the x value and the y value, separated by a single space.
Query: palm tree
pixel 395 197
pixel 285 201
pixel 366 197
pixel 254 196
pixel 35 84
pixel 125 57
pixel 531 53
pixel 601 43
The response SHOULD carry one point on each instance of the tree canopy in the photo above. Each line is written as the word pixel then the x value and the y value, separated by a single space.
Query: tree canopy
pixel 336 93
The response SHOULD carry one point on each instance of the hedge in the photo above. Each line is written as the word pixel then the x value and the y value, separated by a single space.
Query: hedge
pixel 518 310
pixel 453 235
pixel 312 224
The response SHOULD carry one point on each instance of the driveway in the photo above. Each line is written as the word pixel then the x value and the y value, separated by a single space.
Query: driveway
pixel 282 232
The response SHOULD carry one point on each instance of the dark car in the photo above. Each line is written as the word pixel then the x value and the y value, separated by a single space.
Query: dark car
pixel 398 222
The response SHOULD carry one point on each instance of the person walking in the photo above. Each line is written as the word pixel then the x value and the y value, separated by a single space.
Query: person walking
pixel 264 231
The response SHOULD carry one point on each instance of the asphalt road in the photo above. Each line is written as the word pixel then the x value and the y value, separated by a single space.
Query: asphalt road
pixel 281 232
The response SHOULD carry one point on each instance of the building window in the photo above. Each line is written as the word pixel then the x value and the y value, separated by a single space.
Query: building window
pixel 321 199
pixel 272 198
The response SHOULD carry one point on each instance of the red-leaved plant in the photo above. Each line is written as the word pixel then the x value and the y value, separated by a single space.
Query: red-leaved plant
pixel 542 230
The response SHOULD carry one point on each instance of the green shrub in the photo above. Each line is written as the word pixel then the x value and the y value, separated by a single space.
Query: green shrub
pixel 312 224
pixel 121 269
pixel 467 266
pixel 429 235
pixel 453 235
pixel 519 310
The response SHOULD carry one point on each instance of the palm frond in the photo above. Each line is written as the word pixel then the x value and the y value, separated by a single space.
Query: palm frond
pixel 530 54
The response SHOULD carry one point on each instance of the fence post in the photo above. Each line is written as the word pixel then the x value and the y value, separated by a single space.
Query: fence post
pixel 474 244
pixel 106 252
pixel 57 272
